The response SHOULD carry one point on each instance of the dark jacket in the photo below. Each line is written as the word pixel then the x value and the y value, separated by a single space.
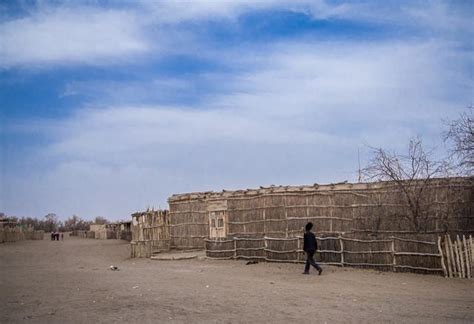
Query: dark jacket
pixel 309 244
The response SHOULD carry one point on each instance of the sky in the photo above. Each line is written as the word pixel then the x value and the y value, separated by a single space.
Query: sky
pixel 110 107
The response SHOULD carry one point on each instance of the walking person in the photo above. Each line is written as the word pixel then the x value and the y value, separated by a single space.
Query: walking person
pixel 309 246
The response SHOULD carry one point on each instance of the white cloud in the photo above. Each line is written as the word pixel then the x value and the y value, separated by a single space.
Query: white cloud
pixel 298 118
pixel 295 113
pixel 71 35
pixel 97 36
pixel 175 11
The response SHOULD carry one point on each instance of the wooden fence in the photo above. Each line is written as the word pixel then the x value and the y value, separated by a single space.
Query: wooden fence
pixel 393 254
pixel 17 234
pixel 149 233
pixel 457 260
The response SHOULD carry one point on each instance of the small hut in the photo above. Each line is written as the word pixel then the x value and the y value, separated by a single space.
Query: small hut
pixel 103 231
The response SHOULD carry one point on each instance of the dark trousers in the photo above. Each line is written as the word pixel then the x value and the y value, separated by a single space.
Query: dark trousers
pixel 310 261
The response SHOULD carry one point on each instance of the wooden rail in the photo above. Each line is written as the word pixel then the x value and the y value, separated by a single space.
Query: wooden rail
pixel 215 249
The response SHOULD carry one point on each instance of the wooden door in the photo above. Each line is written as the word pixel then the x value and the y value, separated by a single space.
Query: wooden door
pixel 218 224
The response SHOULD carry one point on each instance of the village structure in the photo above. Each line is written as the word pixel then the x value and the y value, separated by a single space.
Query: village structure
pixel 11 231
pixel 363 224
pixel 425 227
pixel 120 231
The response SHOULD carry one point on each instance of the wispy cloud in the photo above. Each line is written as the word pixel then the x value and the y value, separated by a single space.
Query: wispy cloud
pixel 71 35
pixel 291 111
pixel 175 12
pixel 311 102
pixel 85 34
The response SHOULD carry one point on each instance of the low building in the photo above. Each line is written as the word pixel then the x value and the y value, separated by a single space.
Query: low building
pixel 103 231
pixel 358 210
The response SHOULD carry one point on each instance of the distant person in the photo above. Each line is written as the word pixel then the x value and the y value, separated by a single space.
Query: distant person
pixel 52 236
pixel 309 246
pixel 62 236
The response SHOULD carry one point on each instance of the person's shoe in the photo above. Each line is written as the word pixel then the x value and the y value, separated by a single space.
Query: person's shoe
pixel 320 271
pixel 306 272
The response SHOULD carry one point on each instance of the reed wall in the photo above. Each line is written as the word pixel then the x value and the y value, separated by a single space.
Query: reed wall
pixel 150 233
pixel 360 211
pixel 18 234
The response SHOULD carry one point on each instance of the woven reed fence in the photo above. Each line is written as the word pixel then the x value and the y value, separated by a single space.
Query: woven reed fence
pixel 457 260
pixel 78 233
pixel 34 235
pixel 393 254
pixel 17 234
pixel 361 211
pixel 150 233
pixel 11 235
pixel 189 224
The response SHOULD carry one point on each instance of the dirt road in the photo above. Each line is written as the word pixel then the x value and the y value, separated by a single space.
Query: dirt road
pixel 70 282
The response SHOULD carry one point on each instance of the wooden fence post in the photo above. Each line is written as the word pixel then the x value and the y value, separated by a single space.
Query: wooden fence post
pixel 342 251
pixel 394 260
pixel 442 258
pixel 461 257
pixel 453 256
pixel 466 253
pixel 471 253
pixel 448 257
pixel 266 248
pixel 458 262
pixel 235 248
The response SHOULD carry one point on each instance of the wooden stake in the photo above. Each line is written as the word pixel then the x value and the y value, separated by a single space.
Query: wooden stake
pixel 458 263
pixel 235 249
pixel 442 258
pixel 342 251
pixel 461 256
pixel 471 251
pixel 394 260
pixel 453 256
pixel 466 253
pixel 266 247
pixel 448 257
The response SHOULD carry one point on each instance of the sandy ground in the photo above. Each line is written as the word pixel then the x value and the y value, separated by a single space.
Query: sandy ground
pixel 70 282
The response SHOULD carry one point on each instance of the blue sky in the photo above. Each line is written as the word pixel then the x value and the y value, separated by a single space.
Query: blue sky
pixel 109 107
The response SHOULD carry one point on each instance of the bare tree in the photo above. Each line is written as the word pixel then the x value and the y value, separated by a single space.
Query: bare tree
pixel 461 134
pixel 101 220
pixel 51 222
pixel 411 173
pixel 75 223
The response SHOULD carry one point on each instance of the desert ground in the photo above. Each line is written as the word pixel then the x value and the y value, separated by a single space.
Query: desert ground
pixel 70 281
